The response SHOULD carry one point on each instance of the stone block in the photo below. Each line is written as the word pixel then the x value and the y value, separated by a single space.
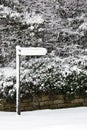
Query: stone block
pixel 26 108
pixel 6 106
pixel 85 104
pixel 41 104
pixel 10 105
pixel 54 106
pixel 23 105
pixel 1 107
pixel 77 101
pixel 46 103
pixel 85 100
pixel 58 101
pixel 13 109
pixel 35 103
pixel 62 105
pixel 51 102
pixel 26 100
pixel 45 107
pixel 60 97
pixel 37 99
pixel 45 98
pixel 68 105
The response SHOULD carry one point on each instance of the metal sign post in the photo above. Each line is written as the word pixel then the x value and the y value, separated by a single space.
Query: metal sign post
pixel 31 51
pixel 18 80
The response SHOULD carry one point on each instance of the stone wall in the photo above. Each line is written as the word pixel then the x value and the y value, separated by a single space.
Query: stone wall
pixel 44 102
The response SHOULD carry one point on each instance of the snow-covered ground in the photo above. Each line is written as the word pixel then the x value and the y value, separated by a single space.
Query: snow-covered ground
pixel 60 119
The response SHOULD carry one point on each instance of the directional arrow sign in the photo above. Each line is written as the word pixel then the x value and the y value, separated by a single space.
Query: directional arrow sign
pixel 30 51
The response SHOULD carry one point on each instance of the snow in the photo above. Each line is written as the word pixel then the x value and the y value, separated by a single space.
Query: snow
pixel 7 72
pixel 28 19
pixel 25 17
pixel 14 14
pixel 83 26
pixel 62 119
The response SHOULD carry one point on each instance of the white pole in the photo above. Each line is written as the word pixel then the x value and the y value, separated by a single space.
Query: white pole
pixel 18 80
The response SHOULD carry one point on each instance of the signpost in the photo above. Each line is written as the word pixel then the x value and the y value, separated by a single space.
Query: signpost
pixel 23 51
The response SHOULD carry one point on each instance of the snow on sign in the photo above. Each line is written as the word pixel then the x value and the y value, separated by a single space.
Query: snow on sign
pixel 30 51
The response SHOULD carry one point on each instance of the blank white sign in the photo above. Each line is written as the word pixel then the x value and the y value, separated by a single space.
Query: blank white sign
pixel 31 51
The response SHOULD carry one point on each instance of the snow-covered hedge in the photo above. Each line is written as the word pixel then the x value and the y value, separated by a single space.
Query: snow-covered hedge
pixel 52 75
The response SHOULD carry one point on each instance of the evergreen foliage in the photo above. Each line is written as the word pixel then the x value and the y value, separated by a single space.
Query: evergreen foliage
pixel 58 25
